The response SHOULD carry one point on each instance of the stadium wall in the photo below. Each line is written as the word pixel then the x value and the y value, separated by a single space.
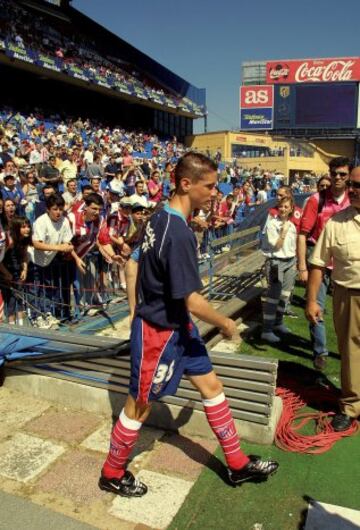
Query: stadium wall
pixel 319 152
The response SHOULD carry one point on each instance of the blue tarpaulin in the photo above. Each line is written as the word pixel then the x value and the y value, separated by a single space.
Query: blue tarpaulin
pixel 14 347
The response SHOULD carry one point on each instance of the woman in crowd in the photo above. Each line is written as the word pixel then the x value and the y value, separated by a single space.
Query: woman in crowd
pixel 31 194
pixel 14 267
pixel 279 247
pixel 8 213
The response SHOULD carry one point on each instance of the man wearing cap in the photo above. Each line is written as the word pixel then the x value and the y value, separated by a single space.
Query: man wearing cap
pixel 340 242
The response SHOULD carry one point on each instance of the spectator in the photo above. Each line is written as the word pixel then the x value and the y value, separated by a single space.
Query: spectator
pixel 318 210
pixel 71 195
pixel 155 187
pixel 8 214
pixel 53 269
pixel 14 268
pixel 68 167
pixel 339 241
pixel 50 174
pixel 279 246
pixel 85 225
pixel 40 206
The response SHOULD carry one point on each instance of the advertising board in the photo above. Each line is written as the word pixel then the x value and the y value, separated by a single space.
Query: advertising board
pixel 256 107
pixel 331 70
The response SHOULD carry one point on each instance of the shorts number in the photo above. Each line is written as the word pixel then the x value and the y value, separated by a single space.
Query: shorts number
pixel 164 373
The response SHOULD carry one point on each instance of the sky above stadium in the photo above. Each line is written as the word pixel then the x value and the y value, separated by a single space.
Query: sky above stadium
pixel 205 41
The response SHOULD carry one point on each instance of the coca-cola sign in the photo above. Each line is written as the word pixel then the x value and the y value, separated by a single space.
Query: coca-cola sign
pixel 314 70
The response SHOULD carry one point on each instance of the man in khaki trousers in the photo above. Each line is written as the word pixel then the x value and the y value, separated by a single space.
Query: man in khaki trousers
pixel 340 242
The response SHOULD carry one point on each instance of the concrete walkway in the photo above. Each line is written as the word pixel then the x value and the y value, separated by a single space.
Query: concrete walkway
pixel 21 514
pixel 50 460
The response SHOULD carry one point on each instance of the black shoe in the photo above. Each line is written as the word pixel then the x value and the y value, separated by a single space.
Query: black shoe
pixel 320 362
pixel 341 422
pixel 256 470
pixel 127 486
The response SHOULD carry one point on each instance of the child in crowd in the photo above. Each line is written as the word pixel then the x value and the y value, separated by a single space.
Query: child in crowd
pixel 279 246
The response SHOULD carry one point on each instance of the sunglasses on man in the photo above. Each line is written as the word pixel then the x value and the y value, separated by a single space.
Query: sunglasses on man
pixel 342 174
pixel 353 184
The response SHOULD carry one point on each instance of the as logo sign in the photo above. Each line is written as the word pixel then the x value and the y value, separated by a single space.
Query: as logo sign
pixel 256 96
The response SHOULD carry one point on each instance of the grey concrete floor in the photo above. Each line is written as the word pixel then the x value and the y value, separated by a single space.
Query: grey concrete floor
pixel 20 514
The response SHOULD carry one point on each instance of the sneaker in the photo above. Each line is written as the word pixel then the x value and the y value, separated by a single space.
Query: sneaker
pixel 269 336
pixel 41 323
pixel 320 362
pixel 93 311
pixel 226 248
pixel 281 328
pixel 127 486
pixel 256 470
pixel 52 321
pixel 290 313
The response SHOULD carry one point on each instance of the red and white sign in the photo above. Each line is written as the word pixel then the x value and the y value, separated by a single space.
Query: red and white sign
pixel 314 70
pixel 256 96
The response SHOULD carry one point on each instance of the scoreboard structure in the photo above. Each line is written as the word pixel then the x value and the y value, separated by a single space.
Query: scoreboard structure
pixel 302 97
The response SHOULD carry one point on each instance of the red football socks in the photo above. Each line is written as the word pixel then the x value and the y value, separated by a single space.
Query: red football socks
pixel 123 438
pixel 222 423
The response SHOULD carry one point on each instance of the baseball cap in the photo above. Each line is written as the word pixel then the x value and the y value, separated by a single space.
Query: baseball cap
pixel 137 207
pixel 125 202
pixel 115 190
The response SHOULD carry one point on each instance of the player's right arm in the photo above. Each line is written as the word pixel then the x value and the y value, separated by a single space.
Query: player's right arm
pixel 200 308
pixel 131 270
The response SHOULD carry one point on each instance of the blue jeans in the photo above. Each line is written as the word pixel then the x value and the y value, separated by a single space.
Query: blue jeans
pixel 318 331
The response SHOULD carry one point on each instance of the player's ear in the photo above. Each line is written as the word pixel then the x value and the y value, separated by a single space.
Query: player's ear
pixel 185 184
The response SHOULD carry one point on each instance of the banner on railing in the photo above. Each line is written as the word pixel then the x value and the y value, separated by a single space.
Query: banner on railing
pixel 139 92
pixel 101 81
pixel 58 65
pixel 49 62
pixel 157 98
pixel 17 52
pixel 121 87
pixel 77 72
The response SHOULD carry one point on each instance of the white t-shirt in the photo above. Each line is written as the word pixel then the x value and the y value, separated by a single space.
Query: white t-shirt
pixel 271 234
pixel 49 232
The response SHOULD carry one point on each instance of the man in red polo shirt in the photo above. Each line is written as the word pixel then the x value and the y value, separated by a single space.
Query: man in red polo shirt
pixel 318 210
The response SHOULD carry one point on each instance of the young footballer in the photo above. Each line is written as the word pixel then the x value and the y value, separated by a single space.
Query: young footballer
pixel 165 344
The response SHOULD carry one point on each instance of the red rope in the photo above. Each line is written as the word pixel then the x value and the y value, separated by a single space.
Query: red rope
pixel 288 436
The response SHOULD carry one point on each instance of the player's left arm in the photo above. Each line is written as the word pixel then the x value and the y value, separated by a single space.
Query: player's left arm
pixel 200 308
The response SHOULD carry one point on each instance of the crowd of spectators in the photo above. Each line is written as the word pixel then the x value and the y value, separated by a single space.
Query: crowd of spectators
pixel 74 196
pixel 70 48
